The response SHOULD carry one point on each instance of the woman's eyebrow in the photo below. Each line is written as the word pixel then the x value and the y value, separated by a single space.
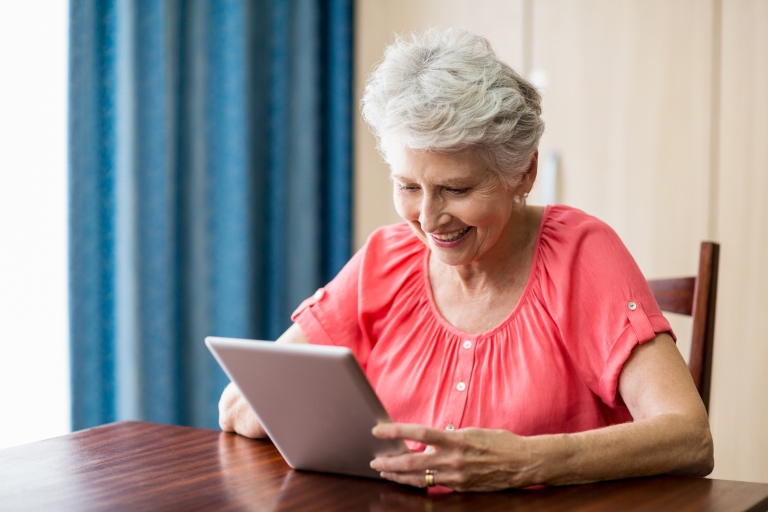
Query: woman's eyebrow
pixel 401 179
pixel 446 183
pixel 457 182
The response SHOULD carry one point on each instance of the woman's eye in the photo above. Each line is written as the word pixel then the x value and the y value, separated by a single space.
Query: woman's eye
pixel 408 188
pixel 457 191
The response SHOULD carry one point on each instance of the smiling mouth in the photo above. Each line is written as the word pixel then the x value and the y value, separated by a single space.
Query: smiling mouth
pixel 450 237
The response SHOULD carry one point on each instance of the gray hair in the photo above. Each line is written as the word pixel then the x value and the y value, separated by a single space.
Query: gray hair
pixel 448 91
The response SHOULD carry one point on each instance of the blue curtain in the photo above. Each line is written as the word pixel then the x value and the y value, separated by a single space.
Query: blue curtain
pixel 209 188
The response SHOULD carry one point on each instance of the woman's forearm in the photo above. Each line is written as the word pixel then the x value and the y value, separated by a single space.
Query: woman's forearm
pixel 666 444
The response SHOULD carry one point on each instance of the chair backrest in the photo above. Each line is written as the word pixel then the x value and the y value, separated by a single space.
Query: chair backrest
pixel 696 297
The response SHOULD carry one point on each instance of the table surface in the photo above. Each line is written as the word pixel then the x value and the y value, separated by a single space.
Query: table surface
pixel 147 466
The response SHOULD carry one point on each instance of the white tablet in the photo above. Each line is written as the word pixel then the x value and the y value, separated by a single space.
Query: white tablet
pixel 314 402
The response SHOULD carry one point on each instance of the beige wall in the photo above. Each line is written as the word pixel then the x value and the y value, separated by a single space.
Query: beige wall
pixel 740 407
pixel 658 112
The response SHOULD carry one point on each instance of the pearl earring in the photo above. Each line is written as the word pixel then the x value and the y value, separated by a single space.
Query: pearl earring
pixel 525 195
pixel 517 199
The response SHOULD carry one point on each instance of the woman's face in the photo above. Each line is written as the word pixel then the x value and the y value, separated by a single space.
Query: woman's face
pixel 453 203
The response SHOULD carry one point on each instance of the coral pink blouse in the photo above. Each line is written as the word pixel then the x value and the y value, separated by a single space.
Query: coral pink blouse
pixel 551 366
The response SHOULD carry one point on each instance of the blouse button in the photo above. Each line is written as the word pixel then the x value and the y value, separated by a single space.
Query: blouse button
pixel 461 386
pixel 467 344
pixel 632 306
pixel 449 426
pixel 319 293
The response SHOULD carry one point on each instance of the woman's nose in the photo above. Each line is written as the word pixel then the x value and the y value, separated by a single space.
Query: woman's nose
pixel 431 215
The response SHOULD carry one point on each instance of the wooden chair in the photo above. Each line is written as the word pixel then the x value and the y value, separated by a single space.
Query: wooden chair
pixel 696 297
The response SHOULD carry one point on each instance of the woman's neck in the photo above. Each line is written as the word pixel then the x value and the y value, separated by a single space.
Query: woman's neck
pixel 506 265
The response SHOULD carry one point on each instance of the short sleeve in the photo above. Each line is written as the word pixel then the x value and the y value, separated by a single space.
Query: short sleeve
pixel 599 298
pixel 330 316
pixel 377 288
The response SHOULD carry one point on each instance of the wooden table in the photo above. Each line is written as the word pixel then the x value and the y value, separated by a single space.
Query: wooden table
pixel 146 466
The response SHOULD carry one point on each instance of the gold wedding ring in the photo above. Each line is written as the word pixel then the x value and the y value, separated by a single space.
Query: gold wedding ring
pixel 430 477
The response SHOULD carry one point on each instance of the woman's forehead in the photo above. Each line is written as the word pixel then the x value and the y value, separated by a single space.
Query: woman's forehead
pixel 461 166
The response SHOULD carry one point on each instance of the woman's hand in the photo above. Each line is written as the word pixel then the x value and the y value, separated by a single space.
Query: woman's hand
pixel 235 415
pixel 470 459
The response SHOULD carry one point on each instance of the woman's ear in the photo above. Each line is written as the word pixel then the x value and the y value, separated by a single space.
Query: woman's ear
pixel 532 172
pixel 529 175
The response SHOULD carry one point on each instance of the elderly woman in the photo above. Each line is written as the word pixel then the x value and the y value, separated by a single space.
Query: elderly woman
pixel 511 344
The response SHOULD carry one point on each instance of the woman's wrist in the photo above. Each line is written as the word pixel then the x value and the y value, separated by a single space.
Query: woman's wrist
pixel 552 459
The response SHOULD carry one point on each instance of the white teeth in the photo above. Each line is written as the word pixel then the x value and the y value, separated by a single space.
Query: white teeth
pixel 451 238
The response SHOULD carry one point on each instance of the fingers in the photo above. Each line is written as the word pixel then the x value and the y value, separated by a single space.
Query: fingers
pixel 406 463
pixel 453 456
pixel 420 433
pixel 448 469
pixel 250 425
pixel 411 466
pixel 228 398
pixel 446 478
pixel 413 479
pixel 235 415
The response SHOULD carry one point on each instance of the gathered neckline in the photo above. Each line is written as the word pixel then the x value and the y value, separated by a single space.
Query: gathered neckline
pixel 523 296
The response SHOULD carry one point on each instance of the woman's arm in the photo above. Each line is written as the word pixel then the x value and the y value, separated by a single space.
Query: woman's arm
pixel 235 415
pixel 669 434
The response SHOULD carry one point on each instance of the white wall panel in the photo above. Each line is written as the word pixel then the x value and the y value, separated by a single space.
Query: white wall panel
pixel 740 394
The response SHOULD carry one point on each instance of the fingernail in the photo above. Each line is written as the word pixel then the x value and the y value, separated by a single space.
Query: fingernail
pixel 375 430
pixel 373 464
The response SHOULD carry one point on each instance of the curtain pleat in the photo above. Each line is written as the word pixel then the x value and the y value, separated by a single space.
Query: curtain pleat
pixel 92 209
pixel 210 189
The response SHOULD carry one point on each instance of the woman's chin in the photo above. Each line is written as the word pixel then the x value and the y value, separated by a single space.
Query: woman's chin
pixel 451 262
pixel 450 257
